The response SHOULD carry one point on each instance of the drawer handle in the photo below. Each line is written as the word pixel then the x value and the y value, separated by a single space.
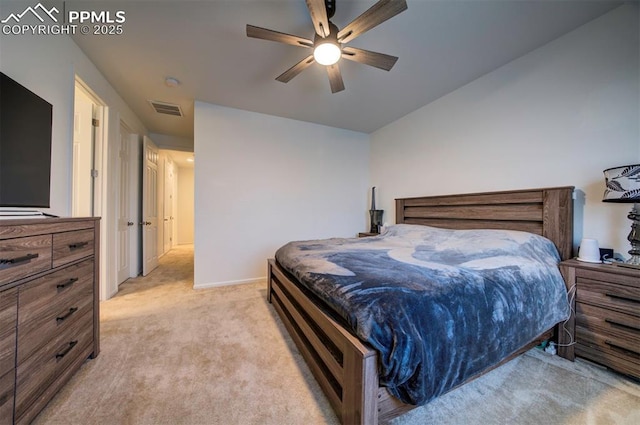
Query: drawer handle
pixel 64 352
pixel 78 245
pixel 66 316
pixel 622 325
pixel 5 263
pixel 67 283
pixel 622 349
pixel 621 297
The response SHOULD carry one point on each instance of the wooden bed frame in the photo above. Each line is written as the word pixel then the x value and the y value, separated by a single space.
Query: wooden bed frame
pixel 345 367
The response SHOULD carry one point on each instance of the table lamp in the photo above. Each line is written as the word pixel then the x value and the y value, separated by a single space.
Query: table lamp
pixel 623 185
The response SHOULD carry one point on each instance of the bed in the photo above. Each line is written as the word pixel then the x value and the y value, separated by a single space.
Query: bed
pixel 348 369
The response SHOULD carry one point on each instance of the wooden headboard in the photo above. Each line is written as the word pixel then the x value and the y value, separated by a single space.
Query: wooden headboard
pixel 547 212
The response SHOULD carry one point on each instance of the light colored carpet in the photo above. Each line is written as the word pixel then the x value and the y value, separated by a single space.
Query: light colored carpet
pixel 174 355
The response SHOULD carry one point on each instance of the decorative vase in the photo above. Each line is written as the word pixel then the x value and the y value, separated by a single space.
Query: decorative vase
pixel 376 220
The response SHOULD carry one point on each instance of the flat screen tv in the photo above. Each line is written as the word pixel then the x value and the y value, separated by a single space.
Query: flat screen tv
pixel 25 146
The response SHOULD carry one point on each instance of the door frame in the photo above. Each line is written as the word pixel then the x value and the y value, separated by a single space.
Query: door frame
pixel 100 192
pixel 80 202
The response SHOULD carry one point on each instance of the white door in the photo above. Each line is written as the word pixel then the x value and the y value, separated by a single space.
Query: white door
pixel 82 198
pixel 149 207
pixel 168 205
pixel 90 196
pixel 125 222
pixel 135 206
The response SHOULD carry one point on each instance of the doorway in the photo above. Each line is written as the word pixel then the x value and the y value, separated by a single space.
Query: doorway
pixel 85 124
pixel 170 181
pixel 176 189
pixel 89 167
pixel 168 202
pixel 128 213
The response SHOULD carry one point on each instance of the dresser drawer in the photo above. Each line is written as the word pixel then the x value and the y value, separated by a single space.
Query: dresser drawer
pixel 595 348
pixel 8 313
pixel 46 311
pixel 622 330
pixel 51 304
pixel 6 398
pixel 608 295
pixel 72 246
pixel 614 346
pixel 608 273
pixel 45 295
pixel 41 369
pixel 23 257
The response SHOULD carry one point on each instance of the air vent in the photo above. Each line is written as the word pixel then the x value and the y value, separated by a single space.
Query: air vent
pixel 166 108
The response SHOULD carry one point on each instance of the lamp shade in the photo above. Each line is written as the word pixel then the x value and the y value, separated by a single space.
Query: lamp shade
pixel 623 184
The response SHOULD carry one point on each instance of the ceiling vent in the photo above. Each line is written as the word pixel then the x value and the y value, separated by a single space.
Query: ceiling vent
pixel 166 108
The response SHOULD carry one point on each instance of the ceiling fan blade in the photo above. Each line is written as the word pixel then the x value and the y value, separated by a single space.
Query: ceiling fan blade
pixel 318 13
pixel 374 16
pixel 296 69
pixel 335 78
pixel 378 60
pixel 265 34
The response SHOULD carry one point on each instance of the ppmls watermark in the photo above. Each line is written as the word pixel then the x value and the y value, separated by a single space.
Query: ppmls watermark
pixel 54 22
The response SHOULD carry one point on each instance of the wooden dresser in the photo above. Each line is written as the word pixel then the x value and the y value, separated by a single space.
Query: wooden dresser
pixel 606 324
pixel 49 309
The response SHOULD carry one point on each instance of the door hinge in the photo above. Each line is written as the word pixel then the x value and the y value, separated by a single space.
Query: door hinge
pixel 95 122
pixel 94 173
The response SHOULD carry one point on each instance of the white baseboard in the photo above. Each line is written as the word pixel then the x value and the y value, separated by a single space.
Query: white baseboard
pixel 229 282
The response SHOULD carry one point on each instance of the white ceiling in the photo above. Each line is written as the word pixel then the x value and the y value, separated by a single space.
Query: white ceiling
pixel 441 44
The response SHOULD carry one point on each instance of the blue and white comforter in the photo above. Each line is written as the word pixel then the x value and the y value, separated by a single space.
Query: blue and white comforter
pixel 439 305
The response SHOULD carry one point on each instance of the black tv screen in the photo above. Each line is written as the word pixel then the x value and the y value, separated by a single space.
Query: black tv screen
pixel 25 146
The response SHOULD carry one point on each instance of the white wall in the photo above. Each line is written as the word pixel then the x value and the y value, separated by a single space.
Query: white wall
pixel 261 181
pixel 47 65
pixel 557 116
pixel 185 196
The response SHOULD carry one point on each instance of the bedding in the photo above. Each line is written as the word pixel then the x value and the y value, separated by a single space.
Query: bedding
pixel 439 305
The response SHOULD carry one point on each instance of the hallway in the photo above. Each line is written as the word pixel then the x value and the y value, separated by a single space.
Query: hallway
pixel 175 268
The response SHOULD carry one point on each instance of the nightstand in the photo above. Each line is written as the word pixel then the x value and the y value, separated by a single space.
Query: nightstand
pixel 606 324
pixel 367 234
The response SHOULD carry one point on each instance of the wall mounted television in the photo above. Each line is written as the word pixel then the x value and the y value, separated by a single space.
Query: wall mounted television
pixel 25 146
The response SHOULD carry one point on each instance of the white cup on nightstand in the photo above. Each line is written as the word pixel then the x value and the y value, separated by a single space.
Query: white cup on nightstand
pixel 589 251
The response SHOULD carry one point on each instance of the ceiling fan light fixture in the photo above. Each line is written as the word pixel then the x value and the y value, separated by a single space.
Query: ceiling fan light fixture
pixel 327 53
pixel 329 41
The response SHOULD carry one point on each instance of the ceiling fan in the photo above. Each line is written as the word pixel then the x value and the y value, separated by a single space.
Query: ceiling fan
pixel 329 42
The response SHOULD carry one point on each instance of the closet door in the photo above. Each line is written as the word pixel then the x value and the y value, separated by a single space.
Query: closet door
pixel 149 207
pixel 125 221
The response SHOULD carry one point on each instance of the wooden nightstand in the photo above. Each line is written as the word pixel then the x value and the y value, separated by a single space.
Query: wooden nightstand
pixel 606 324
pixel 367 234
